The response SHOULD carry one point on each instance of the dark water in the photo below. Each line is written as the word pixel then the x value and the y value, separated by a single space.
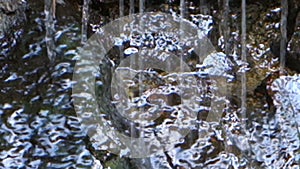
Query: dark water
pixel 40 128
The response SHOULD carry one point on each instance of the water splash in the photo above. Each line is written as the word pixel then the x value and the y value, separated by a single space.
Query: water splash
pixel 85 18
pixel 283 31
pixel 49 10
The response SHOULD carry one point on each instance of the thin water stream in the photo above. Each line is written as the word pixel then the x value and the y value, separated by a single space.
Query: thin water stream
pixel 225 25
pixel 204 7
pixel 244 59
pixel 131 8
pixel 49 11
pixel 121 8
pixel 283 33
pixel 141 6
pixel 85 18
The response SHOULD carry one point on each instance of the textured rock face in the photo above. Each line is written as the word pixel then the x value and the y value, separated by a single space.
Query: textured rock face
pixel 12 14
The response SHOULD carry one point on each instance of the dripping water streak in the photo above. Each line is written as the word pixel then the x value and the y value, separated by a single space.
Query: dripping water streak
pixel 244 58
pixel 181 35
pixel 85 18
pixel 225 31
pixel 204 7
pixel 141 67
pixel 121 8
pixel 243 78
pixel 131 8
pixel 141 6
pixel 181 29
pixel 121 13
pixel 283 31
pixel 182 8
pixel 131 59
pixel 283 49
pixel 54 8
pixel 50 30
pixel 226 28
pixel 141 27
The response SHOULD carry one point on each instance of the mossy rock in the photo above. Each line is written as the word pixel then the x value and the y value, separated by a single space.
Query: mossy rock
pixel 118 163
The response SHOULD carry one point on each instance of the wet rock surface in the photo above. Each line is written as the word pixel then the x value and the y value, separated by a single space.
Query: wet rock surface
pixel 39 127
pixel 12 18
